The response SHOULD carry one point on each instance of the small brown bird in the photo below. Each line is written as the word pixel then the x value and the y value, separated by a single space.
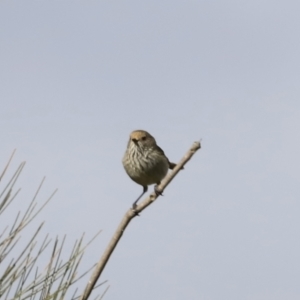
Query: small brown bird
pixel 145 162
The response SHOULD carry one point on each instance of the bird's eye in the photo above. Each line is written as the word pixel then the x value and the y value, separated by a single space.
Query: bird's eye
pixel 143 138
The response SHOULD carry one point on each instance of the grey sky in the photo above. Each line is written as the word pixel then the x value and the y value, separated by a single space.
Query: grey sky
pixel 78 76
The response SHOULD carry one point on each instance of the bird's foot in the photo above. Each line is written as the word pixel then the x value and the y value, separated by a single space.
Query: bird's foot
pixel 134 205
pixel 157 192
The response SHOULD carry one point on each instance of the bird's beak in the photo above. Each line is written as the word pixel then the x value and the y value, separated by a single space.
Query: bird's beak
pixel 136 142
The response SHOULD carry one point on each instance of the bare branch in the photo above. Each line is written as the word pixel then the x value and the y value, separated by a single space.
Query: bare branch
pixel 129 215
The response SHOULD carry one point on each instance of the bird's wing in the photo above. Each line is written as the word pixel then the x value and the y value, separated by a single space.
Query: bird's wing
pixel 171 165
pixel 160 150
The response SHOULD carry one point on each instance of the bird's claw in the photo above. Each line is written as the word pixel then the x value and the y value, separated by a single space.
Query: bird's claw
pixel 157 192
pixel 134 209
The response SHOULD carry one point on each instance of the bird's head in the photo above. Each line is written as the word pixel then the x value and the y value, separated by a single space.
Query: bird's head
pixel 142 139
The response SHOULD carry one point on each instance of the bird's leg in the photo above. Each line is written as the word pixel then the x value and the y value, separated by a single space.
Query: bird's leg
pixel 145 189
pixel 157 192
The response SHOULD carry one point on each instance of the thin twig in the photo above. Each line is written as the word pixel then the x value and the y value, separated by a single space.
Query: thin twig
pixel 129 215
pixel 9 161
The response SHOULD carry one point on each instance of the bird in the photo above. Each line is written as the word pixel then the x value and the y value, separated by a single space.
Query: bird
pixel 145 162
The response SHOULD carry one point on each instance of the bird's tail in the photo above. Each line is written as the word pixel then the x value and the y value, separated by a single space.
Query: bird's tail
pixel 172 165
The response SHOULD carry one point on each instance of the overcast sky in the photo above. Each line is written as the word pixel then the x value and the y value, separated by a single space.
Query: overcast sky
pixel 76 77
